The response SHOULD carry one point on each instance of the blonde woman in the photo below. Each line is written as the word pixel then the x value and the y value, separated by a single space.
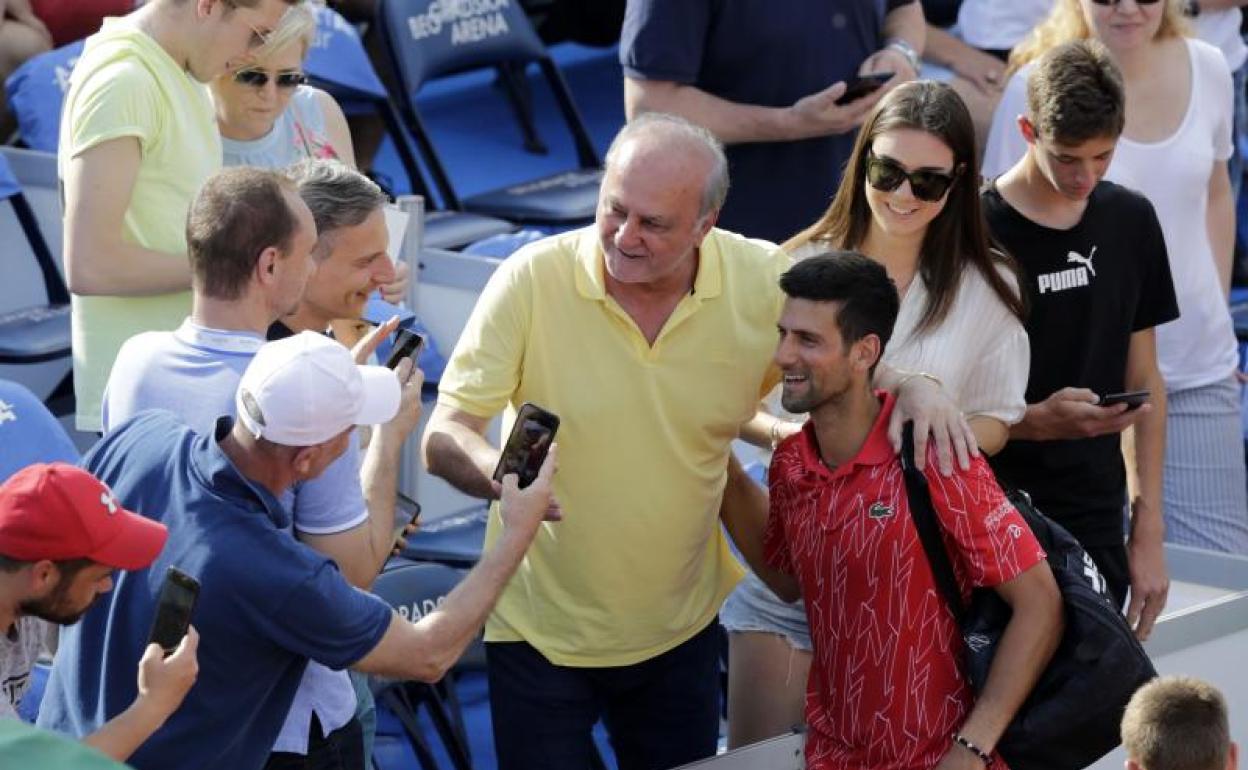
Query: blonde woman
pixel 1174 150
pixel 267 114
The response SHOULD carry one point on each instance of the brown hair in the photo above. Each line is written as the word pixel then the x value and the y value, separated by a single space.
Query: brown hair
pixel 1075 93
pixel 1177 723
pixel 237 214
pixel 957 239
pixel 1066 22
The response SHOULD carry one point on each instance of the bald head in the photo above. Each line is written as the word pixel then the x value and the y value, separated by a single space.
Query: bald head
pixel 673 141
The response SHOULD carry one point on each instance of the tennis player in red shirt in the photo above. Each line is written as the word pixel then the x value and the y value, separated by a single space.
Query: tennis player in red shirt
pixel 886 690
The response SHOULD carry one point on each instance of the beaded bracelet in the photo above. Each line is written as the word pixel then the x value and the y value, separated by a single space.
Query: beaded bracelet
pixel 962 741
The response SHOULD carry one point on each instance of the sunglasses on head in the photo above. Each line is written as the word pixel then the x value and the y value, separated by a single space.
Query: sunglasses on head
pixel 1116 2
pixel 886 175
pixel 260 78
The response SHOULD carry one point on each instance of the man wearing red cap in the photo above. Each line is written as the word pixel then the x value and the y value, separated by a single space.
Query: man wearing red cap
pixel 62 535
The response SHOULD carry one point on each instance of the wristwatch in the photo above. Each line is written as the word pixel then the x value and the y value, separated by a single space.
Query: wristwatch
pixel 903 47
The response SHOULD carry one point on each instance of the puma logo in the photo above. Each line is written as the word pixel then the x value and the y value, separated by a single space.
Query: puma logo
pixel 1070 278
pixel 1074 256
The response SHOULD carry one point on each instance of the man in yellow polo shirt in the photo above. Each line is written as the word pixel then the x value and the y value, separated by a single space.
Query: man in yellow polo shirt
pixel 138 139
pixel 650 334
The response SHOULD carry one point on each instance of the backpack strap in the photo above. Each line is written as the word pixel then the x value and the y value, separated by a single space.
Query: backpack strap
pixel 921 511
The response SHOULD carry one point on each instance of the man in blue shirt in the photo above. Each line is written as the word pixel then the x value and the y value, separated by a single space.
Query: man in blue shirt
pixel 267 604
pixel 250 240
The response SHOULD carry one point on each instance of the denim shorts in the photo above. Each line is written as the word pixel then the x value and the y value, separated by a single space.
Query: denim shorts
pixel 753 607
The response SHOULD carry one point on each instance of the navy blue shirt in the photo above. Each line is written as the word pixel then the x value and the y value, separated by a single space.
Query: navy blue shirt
pixel 769 53
pixel 266 605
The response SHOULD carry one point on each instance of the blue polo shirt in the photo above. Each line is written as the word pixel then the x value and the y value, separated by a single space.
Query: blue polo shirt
pixel 267 605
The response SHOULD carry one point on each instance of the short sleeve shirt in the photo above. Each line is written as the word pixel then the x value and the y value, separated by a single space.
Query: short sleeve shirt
pixel 644 439
pixel 20 647
pixel 760 53
pixel 885 689
pixel 1088 288
pixel 126 85
pixel 267 605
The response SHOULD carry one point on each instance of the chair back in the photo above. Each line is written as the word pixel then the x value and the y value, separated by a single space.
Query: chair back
pixel 432 38
pixel 36 92
pixel 414 589
pixel 338 63
pixel 28 432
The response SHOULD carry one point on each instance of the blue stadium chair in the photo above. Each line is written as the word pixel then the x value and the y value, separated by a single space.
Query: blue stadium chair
pixel 36 91
pixel 427 39
pixel 338 64
pixel 38 332
pixel 454 540
pixel 414 590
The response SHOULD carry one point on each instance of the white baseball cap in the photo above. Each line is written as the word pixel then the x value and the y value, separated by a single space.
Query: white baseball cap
pixel 306 389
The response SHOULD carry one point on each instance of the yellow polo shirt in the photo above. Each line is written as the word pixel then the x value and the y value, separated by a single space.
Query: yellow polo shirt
pixel 126 85
pixel 639 564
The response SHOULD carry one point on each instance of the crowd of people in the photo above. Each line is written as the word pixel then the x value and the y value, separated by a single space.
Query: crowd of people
pixel 768 262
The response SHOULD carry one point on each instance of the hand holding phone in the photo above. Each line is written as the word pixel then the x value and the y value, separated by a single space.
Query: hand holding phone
pixel 531 436
pixel 407 344
pixel 173 610
pixel 408 511
pixel 1134 399
pixel 863 85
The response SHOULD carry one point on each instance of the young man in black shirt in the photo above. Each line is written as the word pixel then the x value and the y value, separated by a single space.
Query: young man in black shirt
pixel 1097 279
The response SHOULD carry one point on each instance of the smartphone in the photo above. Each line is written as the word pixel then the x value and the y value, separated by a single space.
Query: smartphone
pixel 173 610
pixel 862 85
pixel 408 511
pixel 407 344
pixel 1133 399
pixel 526 448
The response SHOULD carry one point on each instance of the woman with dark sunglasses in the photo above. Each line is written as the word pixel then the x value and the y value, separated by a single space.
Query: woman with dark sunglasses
pixel 1174 150
pixel 268 115
pixel 909 199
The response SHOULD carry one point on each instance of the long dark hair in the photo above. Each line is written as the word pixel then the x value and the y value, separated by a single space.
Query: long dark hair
pixel 958 237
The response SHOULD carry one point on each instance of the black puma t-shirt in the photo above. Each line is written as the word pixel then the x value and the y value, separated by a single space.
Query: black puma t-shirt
pixel 1089 289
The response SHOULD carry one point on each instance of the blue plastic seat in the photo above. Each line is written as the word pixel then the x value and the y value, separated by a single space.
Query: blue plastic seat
pixel 338 64
pixel 428 39
pixel 414 590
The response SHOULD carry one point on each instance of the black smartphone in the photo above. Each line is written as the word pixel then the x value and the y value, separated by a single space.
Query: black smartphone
pixel 407 344
pixel 526 448
pixel 1133 399
pixel 862 85
pixel 408 511
pixel 173 610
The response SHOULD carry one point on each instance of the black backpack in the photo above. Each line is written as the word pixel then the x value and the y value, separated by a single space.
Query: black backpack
pixel 1072 716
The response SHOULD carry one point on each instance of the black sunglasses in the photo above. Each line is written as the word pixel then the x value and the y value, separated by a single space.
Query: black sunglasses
pixel 886 175
pixel 260 78
pixel 1116 2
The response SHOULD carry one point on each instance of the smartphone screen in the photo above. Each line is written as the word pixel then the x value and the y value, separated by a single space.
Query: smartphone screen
pixel 863 85
pixel 407 512
pixel 173 610
pixel 526 448
pixel 407 344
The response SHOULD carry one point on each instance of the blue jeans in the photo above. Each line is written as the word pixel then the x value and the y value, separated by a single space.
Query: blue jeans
pixel 660 713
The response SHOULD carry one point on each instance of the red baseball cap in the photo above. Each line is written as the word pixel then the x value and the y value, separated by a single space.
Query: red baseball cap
pixel 57 511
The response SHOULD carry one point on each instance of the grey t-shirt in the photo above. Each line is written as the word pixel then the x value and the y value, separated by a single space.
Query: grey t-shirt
pixel 19 650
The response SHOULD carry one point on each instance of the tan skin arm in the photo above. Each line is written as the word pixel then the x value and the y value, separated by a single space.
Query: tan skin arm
pixel 336 128
pixel 1029 641
pixel 1150 580
pixel 98 261
pixel 425 650
pixel 1220 219
pixel 743 511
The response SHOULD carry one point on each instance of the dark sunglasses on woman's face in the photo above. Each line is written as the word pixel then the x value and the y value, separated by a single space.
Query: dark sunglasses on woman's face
pixel 260 78
pixel 886 175
pixel 1116 2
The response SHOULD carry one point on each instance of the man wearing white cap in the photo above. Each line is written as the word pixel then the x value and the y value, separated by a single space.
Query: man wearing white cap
pixel 267 604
